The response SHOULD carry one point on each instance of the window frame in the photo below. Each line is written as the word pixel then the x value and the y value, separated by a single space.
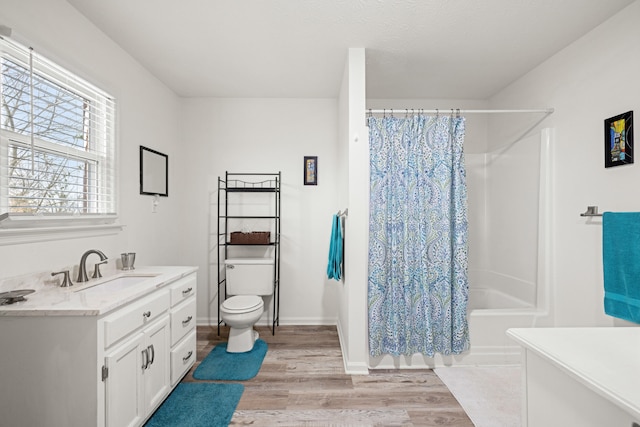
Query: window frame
pixel 104 112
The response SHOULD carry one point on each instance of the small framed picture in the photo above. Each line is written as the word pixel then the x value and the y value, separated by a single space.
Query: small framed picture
pixel 310 176
pixel 618 140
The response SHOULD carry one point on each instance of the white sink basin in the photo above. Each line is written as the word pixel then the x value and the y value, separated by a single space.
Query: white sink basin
pixel 115 284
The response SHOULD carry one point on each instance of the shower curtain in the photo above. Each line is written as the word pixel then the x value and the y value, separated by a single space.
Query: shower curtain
pixel 418 286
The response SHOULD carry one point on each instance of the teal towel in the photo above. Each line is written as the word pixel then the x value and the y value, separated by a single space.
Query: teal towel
pixel 334 266
pixel 621 264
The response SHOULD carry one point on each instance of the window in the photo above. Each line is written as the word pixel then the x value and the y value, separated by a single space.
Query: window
pixel 57 141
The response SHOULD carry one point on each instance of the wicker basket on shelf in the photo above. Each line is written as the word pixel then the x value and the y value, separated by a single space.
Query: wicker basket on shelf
pixel 253 238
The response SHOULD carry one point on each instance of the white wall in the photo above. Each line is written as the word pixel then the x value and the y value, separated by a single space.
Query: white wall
pixel 343 198
pixel 265 135
pixel 591 80
pixel 203 138
pixel 147 114
pixel 354 142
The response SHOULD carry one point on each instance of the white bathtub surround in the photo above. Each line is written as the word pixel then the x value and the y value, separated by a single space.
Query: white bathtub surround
pixel 493 299
pixel 491 396
pixel 513 292
pixel 584 377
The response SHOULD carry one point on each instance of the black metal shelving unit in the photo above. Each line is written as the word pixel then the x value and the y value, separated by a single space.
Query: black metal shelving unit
pixel 268 184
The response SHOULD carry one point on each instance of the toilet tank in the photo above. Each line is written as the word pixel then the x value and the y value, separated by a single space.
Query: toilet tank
pixel 249 276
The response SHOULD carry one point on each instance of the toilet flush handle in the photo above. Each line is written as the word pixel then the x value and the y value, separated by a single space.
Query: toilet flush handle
pixel 231 266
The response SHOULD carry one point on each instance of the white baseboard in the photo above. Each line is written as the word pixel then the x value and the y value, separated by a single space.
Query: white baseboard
pixel 350 368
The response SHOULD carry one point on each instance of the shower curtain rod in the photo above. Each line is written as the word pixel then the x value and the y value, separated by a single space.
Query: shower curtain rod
pixel 457 111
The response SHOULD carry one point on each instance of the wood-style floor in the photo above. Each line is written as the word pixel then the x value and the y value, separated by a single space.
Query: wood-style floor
pixel 302 383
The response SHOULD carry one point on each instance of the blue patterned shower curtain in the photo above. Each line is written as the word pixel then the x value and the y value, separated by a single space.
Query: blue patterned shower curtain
pixel 418 286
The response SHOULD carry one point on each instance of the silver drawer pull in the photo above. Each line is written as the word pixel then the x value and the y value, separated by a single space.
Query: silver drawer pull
pixel 186 321
pixel 188 356
pixel 187 291
pixel 146 314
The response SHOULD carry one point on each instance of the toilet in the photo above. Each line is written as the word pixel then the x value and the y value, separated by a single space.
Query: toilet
pixel 247 281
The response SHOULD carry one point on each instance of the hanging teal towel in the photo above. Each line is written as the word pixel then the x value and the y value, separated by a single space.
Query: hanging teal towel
pixel 334 266
pixel 621 264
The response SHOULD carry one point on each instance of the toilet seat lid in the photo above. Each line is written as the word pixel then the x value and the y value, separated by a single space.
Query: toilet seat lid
pixel 242 303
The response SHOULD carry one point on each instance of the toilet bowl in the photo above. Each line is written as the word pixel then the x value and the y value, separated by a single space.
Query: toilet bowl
pixel 240 313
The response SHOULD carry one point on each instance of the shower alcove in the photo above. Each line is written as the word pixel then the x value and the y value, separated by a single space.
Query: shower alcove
pixel 509 202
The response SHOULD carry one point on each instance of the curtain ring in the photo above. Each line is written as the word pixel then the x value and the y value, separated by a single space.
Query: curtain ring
pixel 437 113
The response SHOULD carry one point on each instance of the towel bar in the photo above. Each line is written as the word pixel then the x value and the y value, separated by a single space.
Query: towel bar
pixel 591 211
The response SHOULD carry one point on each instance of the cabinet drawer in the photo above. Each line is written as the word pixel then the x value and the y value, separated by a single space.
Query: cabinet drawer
pixel 183 319
pixel 134 316
pixel 183 289
pixel 183 357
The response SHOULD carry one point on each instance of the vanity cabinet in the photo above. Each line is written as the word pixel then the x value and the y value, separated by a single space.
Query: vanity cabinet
pixel 585 377
pixel 110 365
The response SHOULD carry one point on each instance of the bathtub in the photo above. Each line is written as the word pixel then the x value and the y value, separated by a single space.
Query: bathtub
pixel 493 299
pixel 497 302
pixel 490 313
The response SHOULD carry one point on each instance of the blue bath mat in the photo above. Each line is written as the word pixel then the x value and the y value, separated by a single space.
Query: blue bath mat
pixel 198 405
pixel 220 365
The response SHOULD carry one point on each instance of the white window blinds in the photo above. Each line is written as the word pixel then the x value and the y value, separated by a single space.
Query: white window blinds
pixel 57 140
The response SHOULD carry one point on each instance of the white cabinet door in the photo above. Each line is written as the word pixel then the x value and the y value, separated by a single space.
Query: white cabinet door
pixel 157 381
pixel 138 377
pixel 123 394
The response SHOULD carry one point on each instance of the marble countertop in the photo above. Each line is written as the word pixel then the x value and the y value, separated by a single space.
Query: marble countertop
pixel 605 360
pixel 92 298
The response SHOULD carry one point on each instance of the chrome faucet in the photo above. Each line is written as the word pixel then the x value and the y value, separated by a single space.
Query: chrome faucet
pixel 82 268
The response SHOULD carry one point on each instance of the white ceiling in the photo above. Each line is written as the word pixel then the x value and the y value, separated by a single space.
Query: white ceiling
pixel 457 49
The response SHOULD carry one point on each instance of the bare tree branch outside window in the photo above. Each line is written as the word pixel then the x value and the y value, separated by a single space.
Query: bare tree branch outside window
pixel 52 179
